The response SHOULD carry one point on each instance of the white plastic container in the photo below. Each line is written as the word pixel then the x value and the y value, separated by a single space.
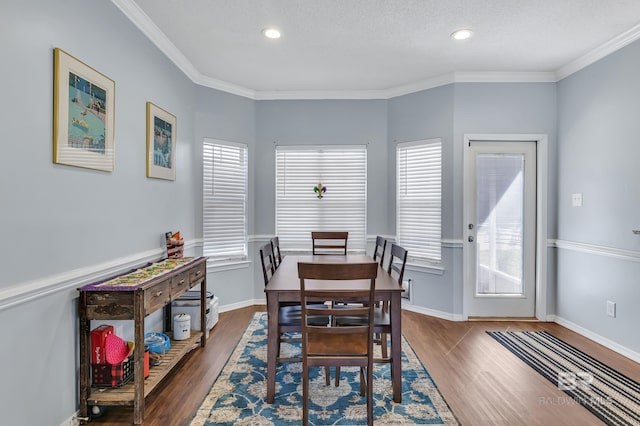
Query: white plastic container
pixel 189 303
pixel 182 326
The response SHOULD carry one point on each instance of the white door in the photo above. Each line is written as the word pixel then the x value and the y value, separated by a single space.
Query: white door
pixel 501 229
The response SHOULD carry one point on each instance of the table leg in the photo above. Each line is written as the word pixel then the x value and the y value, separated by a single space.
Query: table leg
pixel 396 346
pixel 272 344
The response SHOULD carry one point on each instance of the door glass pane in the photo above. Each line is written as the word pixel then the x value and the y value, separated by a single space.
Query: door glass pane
pixel 499 215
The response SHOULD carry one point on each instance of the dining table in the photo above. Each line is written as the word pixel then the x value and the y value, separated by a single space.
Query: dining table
pixel 284 286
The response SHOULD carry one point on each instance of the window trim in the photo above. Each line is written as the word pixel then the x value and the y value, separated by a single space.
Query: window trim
pixel 228 259
pixel 424 261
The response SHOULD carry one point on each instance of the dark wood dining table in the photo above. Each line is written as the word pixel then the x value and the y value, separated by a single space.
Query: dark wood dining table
pixel 284 286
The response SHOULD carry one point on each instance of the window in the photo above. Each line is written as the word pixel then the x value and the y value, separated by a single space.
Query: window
pixel 419 192
pixel 343 171
pixel 224 200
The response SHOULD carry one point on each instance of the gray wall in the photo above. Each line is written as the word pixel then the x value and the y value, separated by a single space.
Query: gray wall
pixel 417 116
pixel 231 118
pixel 58 220
pixel 598 129
pixel 492 108
pixel 330 122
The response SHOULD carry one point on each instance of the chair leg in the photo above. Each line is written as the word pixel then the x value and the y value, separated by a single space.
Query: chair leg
pixel 370 395
pixel 305 394
pixel 337 376
pixel 363 385
pixel 327 375
pixel 383 341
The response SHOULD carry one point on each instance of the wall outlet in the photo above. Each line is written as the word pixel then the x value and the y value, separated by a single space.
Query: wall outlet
pixel 611 309
pixel 406 285
pixel 576 199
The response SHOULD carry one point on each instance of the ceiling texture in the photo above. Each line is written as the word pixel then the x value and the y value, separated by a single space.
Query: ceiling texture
pixel 366 49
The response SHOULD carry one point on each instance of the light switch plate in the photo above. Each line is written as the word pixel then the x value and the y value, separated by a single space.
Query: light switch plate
pixel 611 309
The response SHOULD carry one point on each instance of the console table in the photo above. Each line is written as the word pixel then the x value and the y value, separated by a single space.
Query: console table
pixel 132 296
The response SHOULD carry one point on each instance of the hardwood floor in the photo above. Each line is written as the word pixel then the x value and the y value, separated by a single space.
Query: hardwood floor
pixel 482 382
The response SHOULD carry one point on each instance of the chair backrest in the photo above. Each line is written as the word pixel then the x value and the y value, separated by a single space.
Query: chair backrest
pixel 268 264
pixel 397 262
pixel 329 242
pixel 275 247
pixel 331 345
pixel 381 246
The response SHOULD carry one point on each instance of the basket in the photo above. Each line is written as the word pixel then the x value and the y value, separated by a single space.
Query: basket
pixel 175 248
pixel 112 376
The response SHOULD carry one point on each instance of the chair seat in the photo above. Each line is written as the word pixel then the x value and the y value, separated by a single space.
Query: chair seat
pixel 380 319
pixel 291 316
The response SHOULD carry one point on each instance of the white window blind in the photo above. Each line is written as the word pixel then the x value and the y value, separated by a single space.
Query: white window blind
pixel 419 193
pixel 224 200
pixel 343 170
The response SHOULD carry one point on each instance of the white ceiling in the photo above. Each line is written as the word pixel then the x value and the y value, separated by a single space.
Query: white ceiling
pixel 379 48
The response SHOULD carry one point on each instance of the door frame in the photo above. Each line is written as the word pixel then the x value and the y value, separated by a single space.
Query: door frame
pixel 541 141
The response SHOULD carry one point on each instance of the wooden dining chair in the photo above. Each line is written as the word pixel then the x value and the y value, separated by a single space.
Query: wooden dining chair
pixel 381 314
pixel 289 313
pixel 344 345
pixel 397 265
pixel 329 242
pixel 277 254
pixel 380 247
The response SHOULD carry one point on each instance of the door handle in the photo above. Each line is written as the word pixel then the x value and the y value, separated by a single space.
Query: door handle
pixel 470 238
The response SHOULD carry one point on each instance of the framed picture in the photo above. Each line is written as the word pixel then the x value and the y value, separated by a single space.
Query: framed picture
pixel 83 114
pixel 161 143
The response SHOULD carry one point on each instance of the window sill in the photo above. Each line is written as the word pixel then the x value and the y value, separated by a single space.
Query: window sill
pixel 227 265
pixel 429 268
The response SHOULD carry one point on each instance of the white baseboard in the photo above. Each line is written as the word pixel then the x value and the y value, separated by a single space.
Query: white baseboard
pixel 432 312
pixel 243 304
pixel 71 421
pixel 616 347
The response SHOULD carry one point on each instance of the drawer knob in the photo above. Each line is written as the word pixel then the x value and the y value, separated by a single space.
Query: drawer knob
pixel 158 294
pixel 198 273
pixel 181 282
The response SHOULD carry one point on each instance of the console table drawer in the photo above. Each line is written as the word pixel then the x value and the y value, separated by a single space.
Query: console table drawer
pixel 197 273
pixel 179 284
pixel 158 296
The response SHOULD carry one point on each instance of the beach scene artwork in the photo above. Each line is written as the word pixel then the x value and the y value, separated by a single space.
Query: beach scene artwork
pixel 87 111
pixel 161 143
pixel 83 114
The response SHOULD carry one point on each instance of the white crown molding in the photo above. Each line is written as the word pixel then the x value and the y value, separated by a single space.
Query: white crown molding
pixel 141 20
pixel 270 95
pixel 616 253
pixel 505 77
pixel 419 86
pixel 600 52
pixel 223 86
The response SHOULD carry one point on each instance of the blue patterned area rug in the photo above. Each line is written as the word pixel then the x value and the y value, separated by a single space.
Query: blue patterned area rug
pixel 613 397
pixel 238 395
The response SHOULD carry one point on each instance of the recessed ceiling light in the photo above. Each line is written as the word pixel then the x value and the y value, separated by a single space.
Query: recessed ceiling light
pixel 461 34
pixel 271 33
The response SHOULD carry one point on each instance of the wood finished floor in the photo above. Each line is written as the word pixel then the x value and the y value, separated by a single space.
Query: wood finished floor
pixel 482 382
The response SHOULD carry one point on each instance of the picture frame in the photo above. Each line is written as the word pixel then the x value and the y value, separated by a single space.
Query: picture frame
pixel 161 143
pixel 83 114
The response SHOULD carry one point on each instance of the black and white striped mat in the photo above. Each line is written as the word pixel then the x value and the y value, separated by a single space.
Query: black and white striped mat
pixel 612 397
